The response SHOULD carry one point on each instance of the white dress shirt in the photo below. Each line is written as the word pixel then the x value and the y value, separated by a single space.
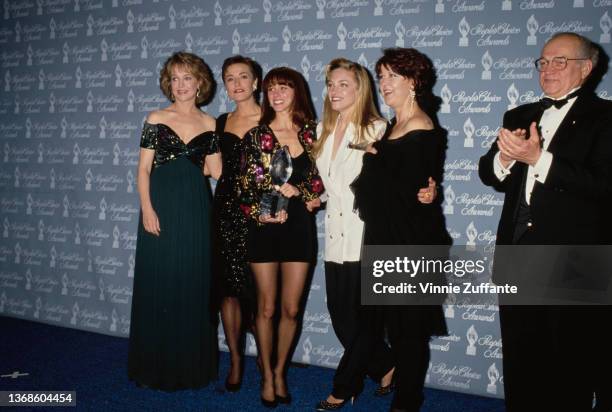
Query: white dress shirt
pixel 549 123
pixel 343 228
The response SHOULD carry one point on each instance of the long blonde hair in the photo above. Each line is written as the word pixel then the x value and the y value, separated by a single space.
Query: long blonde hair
pixel 364 114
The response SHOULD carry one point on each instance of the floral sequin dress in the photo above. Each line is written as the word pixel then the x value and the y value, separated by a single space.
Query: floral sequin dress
pixel 173 334
pixel 296 239
pixel 230 269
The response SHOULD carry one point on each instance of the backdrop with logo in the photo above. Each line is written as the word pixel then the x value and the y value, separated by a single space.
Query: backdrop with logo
pixel 79 77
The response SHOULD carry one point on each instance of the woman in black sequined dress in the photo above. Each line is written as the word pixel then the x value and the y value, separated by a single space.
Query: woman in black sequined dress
pixel 234 286
pixel 173 334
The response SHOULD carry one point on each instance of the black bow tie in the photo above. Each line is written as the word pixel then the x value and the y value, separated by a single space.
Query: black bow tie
pixel 547 102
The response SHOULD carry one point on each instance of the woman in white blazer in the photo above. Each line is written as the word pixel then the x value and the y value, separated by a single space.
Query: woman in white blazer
pixel 350 123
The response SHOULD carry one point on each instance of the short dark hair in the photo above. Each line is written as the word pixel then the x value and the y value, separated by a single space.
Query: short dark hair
pixel 302 108
pixel 412 64
pixel 194 65
pixel 253 66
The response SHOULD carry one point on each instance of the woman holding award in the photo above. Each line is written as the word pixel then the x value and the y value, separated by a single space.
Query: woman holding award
pixel 412 149
pixel 173 334
pixel 280 238
pixel 233 283
pixel 350 123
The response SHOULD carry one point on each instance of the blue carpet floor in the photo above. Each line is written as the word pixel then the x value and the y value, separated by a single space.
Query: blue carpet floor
pixel 94 366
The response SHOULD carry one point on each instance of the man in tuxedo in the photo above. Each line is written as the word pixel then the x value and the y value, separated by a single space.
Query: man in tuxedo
pixel 553 161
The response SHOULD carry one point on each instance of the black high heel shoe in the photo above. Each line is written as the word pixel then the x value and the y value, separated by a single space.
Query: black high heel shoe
pixel 328 406
pixel 233 387
pixel 385 390
pixel 269 404
pixel 285 400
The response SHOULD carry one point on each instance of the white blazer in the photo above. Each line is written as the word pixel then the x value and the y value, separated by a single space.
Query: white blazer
pixel 343 228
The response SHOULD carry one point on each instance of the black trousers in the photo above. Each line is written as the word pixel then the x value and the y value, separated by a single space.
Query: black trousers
pixel 412 357
pixel 550 358
pixel 550 354
pixel 410 352
pixel 343 285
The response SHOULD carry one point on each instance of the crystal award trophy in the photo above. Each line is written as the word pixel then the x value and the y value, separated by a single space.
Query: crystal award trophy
pixel 280 172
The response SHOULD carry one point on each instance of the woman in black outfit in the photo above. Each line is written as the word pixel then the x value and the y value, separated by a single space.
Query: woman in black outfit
pixel 286 240
pixel 233 280
pixel 412 149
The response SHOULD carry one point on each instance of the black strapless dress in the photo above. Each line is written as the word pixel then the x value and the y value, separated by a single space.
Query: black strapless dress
pixel 173 334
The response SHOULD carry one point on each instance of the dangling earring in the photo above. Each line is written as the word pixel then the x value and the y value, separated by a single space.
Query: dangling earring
pixel 198 92
pixel 412 96
pixel 172 97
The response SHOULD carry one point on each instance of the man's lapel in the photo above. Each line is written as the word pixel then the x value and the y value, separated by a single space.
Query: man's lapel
pixel 575 118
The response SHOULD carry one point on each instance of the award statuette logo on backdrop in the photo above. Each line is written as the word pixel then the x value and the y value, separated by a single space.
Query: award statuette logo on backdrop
pixel 605 23
pixel 267 6
pixel 446 95
pixel 378 10
pixel 449 198
pixel 280 172
pixel 472 233
pixel 468 129
pixel 532 28
pixel 487 62
pixel 512 95
pixel 472 337
pixel 493 375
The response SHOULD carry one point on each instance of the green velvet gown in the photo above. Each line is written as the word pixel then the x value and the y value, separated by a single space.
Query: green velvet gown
pixel 173 334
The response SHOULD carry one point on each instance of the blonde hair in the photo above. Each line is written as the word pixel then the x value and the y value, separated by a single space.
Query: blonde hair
pixel 364 114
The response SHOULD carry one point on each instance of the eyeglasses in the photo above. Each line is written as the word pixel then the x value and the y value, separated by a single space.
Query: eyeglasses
pixel 557 63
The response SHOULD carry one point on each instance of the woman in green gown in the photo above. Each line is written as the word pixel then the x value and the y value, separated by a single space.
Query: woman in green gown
pixel 173 334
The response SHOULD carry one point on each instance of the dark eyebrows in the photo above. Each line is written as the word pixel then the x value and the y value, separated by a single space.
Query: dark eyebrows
pixel 238 74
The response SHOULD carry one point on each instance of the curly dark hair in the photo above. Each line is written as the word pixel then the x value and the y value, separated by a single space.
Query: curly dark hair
pixel 194 65
pixel 412 64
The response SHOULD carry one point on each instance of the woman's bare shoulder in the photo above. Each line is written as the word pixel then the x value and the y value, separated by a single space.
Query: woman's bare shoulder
pixel 159 116
pixel 208 121
pixel 420 122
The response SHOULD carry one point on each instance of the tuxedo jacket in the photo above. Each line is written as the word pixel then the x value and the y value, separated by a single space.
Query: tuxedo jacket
pixel 574 205
pixel 343 227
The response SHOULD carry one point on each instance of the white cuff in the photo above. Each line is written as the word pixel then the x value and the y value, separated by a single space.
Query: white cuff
pixel 500 171
pixel 542 166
